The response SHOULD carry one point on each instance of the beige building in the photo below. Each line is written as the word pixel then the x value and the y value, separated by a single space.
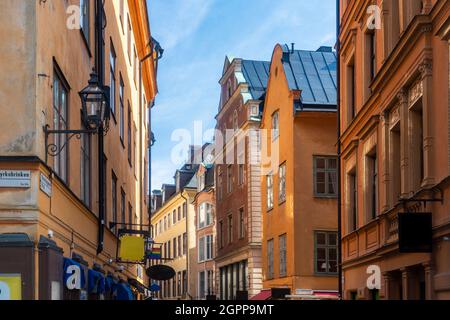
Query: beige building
pixel 173 230
pixel 49 203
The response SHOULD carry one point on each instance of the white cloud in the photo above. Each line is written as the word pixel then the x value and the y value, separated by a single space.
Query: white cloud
pixel 183 17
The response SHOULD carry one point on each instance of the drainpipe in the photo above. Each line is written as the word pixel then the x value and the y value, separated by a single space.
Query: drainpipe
pixel 100 72
pixel 339 213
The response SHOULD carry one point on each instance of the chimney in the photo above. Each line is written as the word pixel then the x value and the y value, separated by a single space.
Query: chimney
pixel 292 47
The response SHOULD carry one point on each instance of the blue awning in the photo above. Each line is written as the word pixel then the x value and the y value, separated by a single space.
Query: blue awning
pixel 96 282
pixel 124 292
pixel 73 276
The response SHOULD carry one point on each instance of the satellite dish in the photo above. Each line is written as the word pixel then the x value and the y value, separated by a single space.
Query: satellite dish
pixel 160 272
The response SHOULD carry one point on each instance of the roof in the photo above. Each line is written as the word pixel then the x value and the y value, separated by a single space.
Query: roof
pixel 192 183
pixel 256 74
pixel 312 72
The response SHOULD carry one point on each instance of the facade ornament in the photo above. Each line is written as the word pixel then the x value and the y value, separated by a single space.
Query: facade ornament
pixel 426 67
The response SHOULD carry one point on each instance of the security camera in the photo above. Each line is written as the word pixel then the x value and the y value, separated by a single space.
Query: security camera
pixel 50 234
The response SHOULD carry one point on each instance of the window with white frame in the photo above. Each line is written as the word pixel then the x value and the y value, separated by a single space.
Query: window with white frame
pixel 269 185
pixel 205 248
pixel 275 125
pixel 204 215
pixel 60 121
pixel 282 183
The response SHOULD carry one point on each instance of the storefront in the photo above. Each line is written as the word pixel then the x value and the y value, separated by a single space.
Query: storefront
pixel 60 277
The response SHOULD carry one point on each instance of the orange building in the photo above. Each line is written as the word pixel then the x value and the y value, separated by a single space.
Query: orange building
pixel 395 142
pixel 299 173
pixel 49 205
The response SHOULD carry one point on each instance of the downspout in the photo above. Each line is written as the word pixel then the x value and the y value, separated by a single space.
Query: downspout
pixel 100 72
pixel 339 212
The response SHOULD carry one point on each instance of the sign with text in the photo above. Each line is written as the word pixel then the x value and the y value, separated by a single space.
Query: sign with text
pixel 15 178
pixel 45 185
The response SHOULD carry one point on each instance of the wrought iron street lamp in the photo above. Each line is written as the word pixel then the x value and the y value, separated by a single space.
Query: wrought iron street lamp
pixel 95 111
pixel 94 103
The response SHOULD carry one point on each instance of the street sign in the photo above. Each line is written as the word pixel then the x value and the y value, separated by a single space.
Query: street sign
pixel 15 178
pixel 45 185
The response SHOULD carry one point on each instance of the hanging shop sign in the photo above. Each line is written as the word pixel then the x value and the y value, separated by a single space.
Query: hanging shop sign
pixel 45 185
pixel 74 278
pixel 415 232
pixel 154 253
pixel 15 178
pixel 132 248
pixel 10 287
pixel 160 272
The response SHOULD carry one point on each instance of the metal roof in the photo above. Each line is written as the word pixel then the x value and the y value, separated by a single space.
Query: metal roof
pixel 256 74
pixel 312 72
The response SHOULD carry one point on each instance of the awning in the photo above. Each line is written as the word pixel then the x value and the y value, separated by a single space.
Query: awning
pixel 142 289
pixel 124 292
pixel 265 294
pixel 96 282
pixel 315 295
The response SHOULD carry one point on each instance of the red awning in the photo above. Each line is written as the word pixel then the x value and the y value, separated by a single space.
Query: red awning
pixel 263 295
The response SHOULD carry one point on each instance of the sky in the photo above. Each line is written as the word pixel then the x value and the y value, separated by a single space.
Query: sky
pixel 197 35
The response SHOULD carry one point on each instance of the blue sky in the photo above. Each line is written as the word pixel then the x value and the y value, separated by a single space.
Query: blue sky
pixel 198 34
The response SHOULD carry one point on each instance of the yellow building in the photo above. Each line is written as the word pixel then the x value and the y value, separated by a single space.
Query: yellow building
pixel 49 205
pixel 174 231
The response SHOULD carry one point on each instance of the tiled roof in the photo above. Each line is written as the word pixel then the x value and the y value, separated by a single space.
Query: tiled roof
pixel 256 74
pixel 312 72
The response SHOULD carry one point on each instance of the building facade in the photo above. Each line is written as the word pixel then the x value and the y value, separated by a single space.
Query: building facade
pixel 237 175
pixel 394 136
pixel 49 204
pixel 174 232
pixel 204 204
pixel 299 173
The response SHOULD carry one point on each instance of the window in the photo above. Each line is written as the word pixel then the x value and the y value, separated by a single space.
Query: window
pixel 135 69
pixel 130 215
pixel 221 242
pixel 112 80
pixel 230 178
pixel 201 183
pixel 179 213
pixel 169 221
pixel 129 135
pixel 282 183
pixel 275 126
pixel 283 255
pixel 325 176
pixel 174 217
pixel 85 168
pixel 174 287
pixel 241 168
pixel 372 185
pixel 165 223
pixel 372 54
pixel 84 19
pixel 205 215
pixel 202 284
pixel 416 144
pixel 179 246
pixel 353 210
pixel 129 35
pixel 175 251
pixel 184 243
pixel 133 155
pixel 122 112
pixel 270 271
pixel 114 198
pixel 351 102
pixel 184 209
pixel 205 248
pixel 219 184
pixel 169 254
pixel 395 162
pixel 235 120
pixel 179 283
pixel 184 281
pixel 121 13
pixel 230 228
pixel 122 203
pixel 326 252
pixel 241 223
pixel 269 184
pixel 60 122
